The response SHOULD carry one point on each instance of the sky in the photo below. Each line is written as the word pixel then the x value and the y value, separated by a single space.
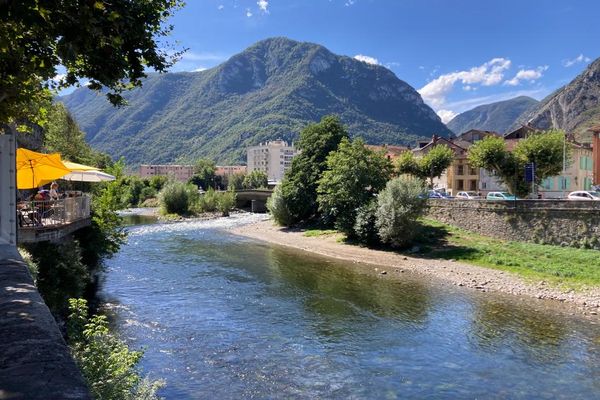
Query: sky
pixel 457 53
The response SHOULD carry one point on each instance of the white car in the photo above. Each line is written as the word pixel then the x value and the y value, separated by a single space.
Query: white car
pixel 468 196
pixel 584 195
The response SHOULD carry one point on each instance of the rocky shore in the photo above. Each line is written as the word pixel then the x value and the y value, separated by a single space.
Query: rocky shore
pixel 391 265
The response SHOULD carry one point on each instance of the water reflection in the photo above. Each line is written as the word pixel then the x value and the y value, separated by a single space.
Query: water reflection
pixel 223 317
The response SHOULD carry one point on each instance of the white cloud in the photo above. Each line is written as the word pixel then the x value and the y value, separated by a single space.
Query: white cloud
pixel 349 3
pixel 446 115
pixel 488 74
pixel 221 6
pixel 367 59
pixel 193 56
pixel 199 69
pixel 248 13
pixel 530 75
pixel 579 59
pixel 263 5
pixel 467 104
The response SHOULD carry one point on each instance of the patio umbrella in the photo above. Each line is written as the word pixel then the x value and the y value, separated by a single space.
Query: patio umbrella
pixel 85 173
pixel 37 169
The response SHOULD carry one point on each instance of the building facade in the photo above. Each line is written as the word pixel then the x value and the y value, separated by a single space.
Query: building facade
pixel 228 170
pixel 273 158
pixel 182 173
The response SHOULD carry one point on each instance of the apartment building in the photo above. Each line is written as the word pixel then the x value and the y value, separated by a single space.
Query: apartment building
pixel 182 173
pixel 273 158
pixel 228 170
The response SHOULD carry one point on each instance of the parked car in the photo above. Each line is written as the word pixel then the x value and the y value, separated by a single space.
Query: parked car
pixel 500 196
pixel 434 194
pixel 468 196
pixel 584 195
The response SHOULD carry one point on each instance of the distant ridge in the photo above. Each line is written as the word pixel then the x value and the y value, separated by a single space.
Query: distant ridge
pixel 497 117
pixel 271 90
pixel 573 108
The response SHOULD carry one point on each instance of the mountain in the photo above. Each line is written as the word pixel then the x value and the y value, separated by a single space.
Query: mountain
pixel 573 108
pixel 271 90
pixel 497 117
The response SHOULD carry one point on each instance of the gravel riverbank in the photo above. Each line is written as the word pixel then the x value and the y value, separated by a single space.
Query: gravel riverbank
pixel 391 265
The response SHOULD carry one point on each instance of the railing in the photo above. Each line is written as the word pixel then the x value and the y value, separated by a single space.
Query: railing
pixel 53 213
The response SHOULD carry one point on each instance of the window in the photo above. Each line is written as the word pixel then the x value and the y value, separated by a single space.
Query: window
pixel 548 183
pixel 460 184
pixel 472 171
pixel 564 183
pixel 587 183
pixel 472 185
pixel 460 170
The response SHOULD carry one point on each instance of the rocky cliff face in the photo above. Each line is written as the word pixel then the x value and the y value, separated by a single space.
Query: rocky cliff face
pixel 573 108
pixel 497 117
pixel 271 90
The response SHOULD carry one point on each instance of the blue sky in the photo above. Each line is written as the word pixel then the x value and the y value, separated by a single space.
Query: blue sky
pixel 458 54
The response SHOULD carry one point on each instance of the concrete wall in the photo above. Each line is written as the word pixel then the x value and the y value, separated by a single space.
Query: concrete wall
pixel 561 222
pixel 35 362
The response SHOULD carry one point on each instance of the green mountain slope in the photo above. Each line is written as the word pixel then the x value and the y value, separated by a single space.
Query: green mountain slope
pixel 271 90
pixel 573 108
pixel 497 117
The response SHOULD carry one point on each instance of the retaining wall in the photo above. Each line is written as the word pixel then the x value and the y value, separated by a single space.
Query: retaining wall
pixel 561 222
pixel 35 362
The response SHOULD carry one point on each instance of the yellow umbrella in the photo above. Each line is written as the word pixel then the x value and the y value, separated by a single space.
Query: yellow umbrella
pixel 78 167
pixel 37 169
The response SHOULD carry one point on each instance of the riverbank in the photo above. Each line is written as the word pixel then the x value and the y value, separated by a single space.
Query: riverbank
pixel 390 265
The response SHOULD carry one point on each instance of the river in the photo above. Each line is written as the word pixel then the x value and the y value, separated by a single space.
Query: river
pixel 224 317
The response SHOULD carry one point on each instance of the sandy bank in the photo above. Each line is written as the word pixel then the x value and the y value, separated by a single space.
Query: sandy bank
pixel 391 265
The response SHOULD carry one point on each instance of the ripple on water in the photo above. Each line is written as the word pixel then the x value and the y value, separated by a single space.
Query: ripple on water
pixel 225 317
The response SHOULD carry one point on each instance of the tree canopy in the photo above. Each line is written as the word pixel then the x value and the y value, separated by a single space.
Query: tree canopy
pixel 544 149
pixel 204 174
pixel 299 186
pixel 255 180
pixel 111 44
pixel 353 176
pixel 431 165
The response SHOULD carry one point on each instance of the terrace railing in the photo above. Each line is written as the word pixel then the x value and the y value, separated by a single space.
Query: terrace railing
pixel 53 213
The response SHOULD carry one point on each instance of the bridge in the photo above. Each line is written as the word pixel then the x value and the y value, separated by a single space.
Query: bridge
pixel 253 199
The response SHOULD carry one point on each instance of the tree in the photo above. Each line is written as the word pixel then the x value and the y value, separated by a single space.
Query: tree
pixel 62 135
pixel 545 149
pixel 353 176
pixel 431 165
pixel 399 205
pixel 236 181
pixel 204 174
pixel 111 44
pixel 299 186
pixel 255 180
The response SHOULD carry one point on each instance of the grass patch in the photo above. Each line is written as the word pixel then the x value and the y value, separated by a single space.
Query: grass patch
pixel 319 232
pixel 559 265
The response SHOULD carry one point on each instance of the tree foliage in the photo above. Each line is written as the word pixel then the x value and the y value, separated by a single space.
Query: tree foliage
pixel 107 364
pixel 109 43
pixel 278 208
pixel 299 186
pixel 177 198
pixel 353 176
pixel 545 149
pixel 429 166
pixel 400 204
pixel 204 174
pixel 236 181
pixel 255 180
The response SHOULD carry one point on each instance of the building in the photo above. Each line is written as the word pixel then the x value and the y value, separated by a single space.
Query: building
pixel 391 152
pixel 228 170
pixel 182 173
pixel 460 175
pixel 273 158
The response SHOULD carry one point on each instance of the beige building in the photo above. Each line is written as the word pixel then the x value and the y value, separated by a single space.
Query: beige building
pixel 182 173
pixel 228 170
pixel 273 158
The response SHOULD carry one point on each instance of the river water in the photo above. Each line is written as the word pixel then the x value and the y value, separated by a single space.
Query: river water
pixel 224 317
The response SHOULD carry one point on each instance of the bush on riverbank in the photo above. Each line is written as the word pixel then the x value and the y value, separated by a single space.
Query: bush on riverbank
pixel 277 206
pixel 226 202
pixel 399 206
pixel 177 198
pixel 107 363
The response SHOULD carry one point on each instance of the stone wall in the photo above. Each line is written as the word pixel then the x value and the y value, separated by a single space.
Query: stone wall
pixel 35 362
pixel 560 222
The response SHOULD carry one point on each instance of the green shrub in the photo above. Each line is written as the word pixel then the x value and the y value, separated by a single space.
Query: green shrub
pixel 278 208
pixel 255 180
pixel 106 362
pixel 208 201
pixel 236 181
pixel 365 229
pixel 146 193
pixel 177 198
pixel 226 202
pixel 398 206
